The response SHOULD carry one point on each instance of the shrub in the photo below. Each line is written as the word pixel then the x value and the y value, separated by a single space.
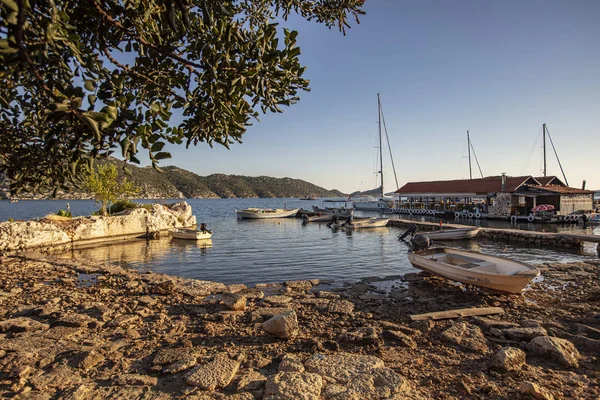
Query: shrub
pixel 121 205
pixel 64 213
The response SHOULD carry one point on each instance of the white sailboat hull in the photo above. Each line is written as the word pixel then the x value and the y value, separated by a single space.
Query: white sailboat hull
pixel 491 272
pixel 263 213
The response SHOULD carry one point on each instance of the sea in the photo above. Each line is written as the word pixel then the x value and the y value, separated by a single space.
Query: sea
pixel 276 250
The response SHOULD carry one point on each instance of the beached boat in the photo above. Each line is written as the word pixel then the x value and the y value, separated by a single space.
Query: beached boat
pixel 190 234
pixel 262 213
pixel 491 272
pixel 366 223
pixel 452 234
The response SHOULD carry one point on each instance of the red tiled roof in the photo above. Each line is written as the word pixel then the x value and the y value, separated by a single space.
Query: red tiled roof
pixel 489 184
pixel 566 190
pixel 546 180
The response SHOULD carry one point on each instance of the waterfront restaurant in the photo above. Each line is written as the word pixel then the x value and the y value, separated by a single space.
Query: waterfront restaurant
pixel 495 196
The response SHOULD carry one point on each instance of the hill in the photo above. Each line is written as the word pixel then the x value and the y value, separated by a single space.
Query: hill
pixel 175 182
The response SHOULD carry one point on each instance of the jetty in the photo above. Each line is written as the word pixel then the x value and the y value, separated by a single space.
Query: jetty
pixel 551 239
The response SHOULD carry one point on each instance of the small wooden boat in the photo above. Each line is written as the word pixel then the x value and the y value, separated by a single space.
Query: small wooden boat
pixel 366 223
pixel 317 217
pixel 491 272
pixel 190 234
pixel 262 213
pixel 452 234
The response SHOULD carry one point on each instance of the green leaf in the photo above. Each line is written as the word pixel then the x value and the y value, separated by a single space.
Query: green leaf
pixel 90 85
pixel 162 155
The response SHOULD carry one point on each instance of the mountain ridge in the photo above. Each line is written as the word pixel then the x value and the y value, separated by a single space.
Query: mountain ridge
pixel 176 182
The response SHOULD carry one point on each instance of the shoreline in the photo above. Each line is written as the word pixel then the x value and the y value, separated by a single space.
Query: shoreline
pixel 77 330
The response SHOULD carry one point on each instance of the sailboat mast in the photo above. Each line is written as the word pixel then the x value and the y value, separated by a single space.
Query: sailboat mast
pixel 380 144
pixel 469 147
pixel 544 145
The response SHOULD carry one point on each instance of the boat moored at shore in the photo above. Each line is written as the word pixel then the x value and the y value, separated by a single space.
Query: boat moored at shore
pixel 263 213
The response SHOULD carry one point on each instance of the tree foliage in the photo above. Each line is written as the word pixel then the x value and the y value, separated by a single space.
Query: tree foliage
pixel 80 79
pixel 106 187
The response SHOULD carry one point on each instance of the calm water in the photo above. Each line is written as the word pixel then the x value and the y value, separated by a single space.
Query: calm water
pixel 253 251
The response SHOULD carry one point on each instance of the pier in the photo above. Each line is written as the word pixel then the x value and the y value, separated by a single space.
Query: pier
pixel 551 239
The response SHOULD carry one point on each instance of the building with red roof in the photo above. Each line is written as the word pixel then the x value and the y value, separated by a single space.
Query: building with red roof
pixel 500 196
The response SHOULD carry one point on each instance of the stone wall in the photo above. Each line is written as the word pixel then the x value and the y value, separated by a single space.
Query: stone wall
pixel 48 232
pixel 501 205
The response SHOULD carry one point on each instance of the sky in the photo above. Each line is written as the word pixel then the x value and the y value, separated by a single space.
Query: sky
pixel 499 69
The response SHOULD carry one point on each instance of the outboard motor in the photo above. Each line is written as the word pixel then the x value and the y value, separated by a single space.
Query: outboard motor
pixel 412 229
pixel 420 242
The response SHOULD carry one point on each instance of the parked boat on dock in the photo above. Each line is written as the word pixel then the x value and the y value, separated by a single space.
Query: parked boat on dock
pixel 262 213
pixel 482 270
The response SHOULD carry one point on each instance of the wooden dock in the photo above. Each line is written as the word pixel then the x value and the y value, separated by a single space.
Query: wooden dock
pixel 542 238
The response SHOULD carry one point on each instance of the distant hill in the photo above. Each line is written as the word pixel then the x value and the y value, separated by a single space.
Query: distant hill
pixel 373 192
pixel 175 182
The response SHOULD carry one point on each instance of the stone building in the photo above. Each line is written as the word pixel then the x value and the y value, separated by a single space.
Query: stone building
pixel 500 196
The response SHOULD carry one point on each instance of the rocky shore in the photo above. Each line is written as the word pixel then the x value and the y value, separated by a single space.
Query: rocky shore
pixel 79 331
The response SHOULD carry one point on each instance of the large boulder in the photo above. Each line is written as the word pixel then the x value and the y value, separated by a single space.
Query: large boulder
pixel 284 325
pixel 560 350
pixel 467 336
pixel 507 359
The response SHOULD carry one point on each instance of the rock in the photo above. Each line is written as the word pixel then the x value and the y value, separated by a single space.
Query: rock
pixel 560 350
pixel 400 337
pixel 60 377
pixel 488 323
pixel 123 321
pixel 278 299
pixel 342 367
pixel 135 380
pixel 536 391
pixel 291 363
pixel 423 326
pixel 180 366
pixel 163 288
pixel 293 385
pixel 198 288
pixel 217 373
pixel 524 334
pixel 507 359
pixel 340 307
pixel 361 336
pixel 467 336
pixel 236 287
pixel 253 382
pixel 169 356
pixel 381 383
pixel 89 359
pixel 298 285
pixel 234 301
pixel 284 325
pixel 22 324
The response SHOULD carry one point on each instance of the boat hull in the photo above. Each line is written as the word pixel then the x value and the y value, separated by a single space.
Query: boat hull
pixel 368 223
pixel 264 213
pixel 490 272
pixel 340 212
pixel 190 234
pixel 452 234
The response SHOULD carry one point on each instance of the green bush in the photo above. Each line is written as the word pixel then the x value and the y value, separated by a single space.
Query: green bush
pixel 64 213
pixel 121 205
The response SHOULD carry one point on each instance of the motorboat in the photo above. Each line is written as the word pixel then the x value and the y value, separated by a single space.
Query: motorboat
pixel 263 213
pixel 190 234
pixel 366 223
pixel 452 234
pixel 483 270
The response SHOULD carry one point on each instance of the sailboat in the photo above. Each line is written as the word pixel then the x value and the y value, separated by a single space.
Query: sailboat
pixel 383 203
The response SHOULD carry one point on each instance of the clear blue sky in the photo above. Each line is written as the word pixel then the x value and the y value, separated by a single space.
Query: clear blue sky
pixel 497 68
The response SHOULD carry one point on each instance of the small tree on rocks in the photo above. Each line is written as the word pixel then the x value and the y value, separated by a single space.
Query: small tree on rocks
pixel 106 186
